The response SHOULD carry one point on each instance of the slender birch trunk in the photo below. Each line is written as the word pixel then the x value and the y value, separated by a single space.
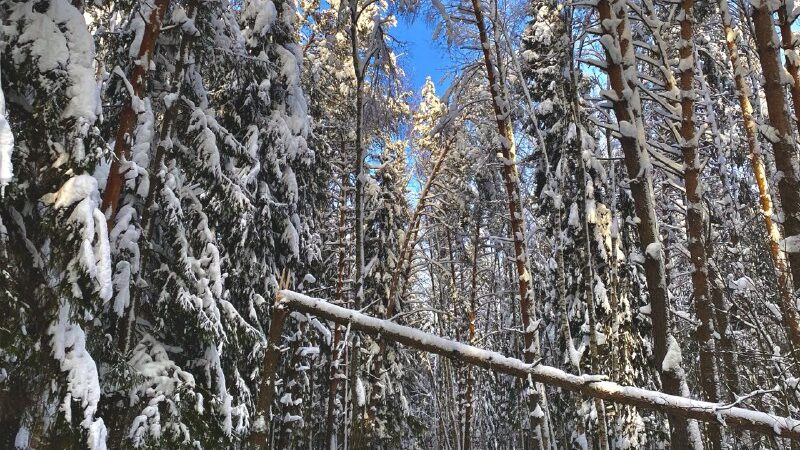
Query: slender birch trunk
pixel 359 157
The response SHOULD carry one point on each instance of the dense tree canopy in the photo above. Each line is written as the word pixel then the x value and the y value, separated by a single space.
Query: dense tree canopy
pixel 606 189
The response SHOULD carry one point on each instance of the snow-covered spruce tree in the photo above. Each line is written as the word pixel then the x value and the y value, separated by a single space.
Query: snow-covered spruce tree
pixel 387 216
pixel 56 274
pixel 180 337
pixel 272 120
pixel 206 213
pixel 544 61
pixel 375 92
pixel 569 181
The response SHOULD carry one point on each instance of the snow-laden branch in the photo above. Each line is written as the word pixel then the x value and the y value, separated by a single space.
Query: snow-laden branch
pixel 588 385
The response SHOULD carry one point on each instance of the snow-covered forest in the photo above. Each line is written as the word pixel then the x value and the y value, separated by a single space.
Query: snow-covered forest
pixel 236 224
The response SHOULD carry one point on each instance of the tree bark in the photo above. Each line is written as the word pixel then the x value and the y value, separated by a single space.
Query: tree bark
pixel 786 161
pixel 790 56
pixel 696 219
pixel 765 203
pixel 127 118
pixel 623 78
pixel 259 436
pixel 511 180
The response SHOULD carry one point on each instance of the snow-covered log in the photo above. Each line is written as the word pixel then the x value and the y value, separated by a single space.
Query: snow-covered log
pixel 588 385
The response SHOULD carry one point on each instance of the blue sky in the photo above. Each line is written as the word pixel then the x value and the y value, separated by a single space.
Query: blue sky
pixel 422 57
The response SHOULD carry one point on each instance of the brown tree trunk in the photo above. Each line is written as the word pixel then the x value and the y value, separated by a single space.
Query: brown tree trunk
pixel 511 180
pixel 785 157
pixel 165 133
pixel 259 434
pixel 790 55
pixel 289 430
pixel 127 118
pixel 623 78
pixel 696 220
pixel 765 202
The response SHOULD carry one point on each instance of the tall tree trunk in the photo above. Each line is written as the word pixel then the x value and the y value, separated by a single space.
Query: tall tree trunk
pixel 696 220
pixel 623 78
pixel 511 180
pixel 403 265
pixel 359 160
pixel 358 427
pixel 259 433
pixel 127 118
pixel 786 160
pixel 333 382
pixel 765 201
pixel 472 316
pixel 790 54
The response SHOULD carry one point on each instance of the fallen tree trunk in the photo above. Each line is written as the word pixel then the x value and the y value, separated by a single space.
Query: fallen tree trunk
pixel 588 385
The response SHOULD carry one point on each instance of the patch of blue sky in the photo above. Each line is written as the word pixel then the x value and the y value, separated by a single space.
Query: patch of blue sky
pixel 422 57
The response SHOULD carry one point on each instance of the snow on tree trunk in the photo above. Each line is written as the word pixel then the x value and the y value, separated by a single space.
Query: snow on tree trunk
pixel 696 220
pixel 624 80
pixel 786 160
pixel 6 144
pixel 511 179
pixel 146 26
pixel 589 385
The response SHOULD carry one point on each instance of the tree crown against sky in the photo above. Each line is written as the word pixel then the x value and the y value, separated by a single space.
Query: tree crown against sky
pixel 597 190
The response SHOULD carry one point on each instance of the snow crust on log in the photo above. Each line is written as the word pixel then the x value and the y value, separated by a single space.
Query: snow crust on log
pixel 590 385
